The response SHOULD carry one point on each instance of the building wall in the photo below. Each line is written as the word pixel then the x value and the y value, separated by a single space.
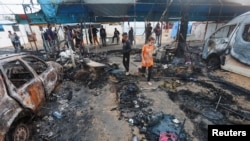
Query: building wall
pixel 4 38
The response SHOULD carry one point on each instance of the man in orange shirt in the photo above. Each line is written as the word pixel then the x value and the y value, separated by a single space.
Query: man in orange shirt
pixel 147 57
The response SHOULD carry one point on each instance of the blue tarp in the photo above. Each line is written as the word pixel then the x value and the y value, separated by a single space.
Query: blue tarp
pixel 176 27
pixel 49 9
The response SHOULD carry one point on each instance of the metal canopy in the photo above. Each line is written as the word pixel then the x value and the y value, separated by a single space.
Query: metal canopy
pixel 75 11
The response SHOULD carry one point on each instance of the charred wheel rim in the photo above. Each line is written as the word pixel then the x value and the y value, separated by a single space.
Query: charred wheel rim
pixel 21 133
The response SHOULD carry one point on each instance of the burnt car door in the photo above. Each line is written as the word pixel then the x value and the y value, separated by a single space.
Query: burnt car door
pixel 23 85
pixel 241 48
pixel 46 73
pixel 9 108
pixel 219 41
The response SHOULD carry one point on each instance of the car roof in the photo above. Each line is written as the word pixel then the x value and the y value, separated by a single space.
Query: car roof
pixel 5 56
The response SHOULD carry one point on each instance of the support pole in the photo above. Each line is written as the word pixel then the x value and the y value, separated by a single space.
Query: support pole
pixel 24 9
pixel 182 34
pixel 134 23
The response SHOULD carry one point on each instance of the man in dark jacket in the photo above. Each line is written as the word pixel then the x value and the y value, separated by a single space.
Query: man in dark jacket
pixel 116 35
pixel 126 49
pixel 103 36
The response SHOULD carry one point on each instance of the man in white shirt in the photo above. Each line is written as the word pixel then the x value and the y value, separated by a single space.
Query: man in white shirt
pixel 12 38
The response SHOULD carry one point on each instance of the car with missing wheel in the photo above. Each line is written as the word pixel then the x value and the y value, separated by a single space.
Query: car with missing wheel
pixel 228 47
pixel 25 83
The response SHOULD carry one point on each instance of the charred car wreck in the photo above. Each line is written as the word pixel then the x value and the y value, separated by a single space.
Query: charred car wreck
pixel 25 82
pixel 229 46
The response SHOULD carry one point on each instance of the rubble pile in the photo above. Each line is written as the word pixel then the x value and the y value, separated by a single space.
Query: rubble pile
pixel 135 108
pixel 63 118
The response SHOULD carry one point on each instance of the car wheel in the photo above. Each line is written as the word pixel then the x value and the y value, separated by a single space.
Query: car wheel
pixel 19 133
pixel 213 62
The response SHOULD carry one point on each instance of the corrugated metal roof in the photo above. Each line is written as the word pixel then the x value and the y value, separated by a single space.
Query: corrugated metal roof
pixel 75 11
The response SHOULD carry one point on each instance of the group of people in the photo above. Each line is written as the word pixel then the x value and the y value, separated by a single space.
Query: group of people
pixel 15 40
pixel 157 30
pixel 92 34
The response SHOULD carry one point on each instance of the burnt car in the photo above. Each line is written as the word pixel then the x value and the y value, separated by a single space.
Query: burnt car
pixel 228 47
pixel 25 82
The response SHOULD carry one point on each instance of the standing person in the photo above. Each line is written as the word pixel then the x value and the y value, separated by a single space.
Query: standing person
pixel 147 58
pixel 94 33
pixel 157 31
pixel 116 35
pixel 90 35
pixel 79 41
pixel 103 35
pixel 148 32
pixel 17 43
pixel 126 49
pixel 68 38
pixel 131 35
pixel 12 39
pixel 51 37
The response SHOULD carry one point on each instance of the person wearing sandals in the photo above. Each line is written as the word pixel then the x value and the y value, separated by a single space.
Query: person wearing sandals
pixel 147 57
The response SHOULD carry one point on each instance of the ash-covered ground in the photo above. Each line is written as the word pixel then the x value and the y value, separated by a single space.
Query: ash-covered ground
pixel 104 104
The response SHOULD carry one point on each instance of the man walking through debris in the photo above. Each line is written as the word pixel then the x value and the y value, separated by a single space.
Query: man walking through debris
pixel 116 35
pixel 147 58
pixel 126 49
pixel 103 35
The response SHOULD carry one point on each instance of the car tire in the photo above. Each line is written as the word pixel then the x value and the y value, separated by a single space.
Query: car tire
pixel 213 62
pixel 20 132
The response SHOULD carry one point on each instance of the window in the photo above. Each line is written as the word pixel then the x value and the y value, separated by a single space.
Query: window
pixel 39 66
pixel 224 32
pixel 1 28
pixel 15 28
pixel 246 33
pixel 17 73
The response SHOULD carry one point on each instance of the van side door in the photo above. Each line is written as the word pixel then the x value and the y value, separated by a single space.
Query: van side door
pixel 241 48
pixel 46 73
pixel 218 41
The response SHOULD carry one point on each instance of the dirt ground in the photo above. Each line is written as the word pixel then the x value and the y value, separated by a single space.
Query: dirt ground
pixel 95 109
pixel 103 104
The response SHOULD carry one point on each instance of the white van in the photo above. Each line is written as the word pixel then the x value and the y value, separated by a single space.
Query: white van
pixel 229 46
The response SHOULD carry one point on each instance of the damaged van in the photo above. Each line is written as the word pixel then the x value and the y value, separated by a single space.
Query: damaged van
pixel 25 82
pixel 228 47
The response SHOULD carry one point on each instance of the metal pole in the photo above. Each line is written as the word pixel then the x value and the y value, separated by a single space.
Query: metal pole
pixel 29 27
pixel 217 103
pixel 134 23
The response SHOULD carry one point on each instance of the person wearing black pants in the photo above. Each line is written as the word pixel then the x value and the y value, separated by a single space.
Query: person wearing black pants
pixel 126 49
pixel 147 57
pixel 150 69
